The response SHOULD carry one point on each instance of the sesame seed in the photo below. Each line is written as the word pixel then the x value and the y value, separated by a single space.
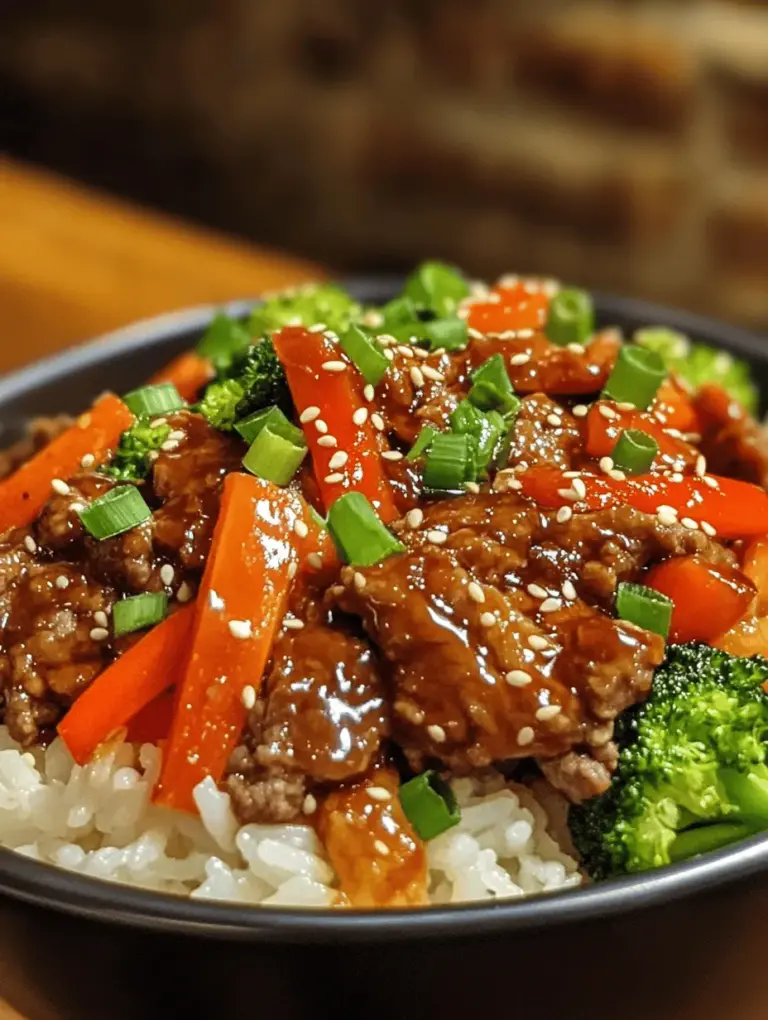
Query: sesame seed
pixel 240 629
pixel 711 482
pixel 60 487
pixel 616 475
pixel 707 528
pixel 520 359
pixel 184 594
pixel 537 591
pixel 30 544
pixel 158 423
pixel 580 411
pixel 525 736
pixel 676 477
pixel 248 697
pixel 472 487
pixel 100 618
pixel 568 494
pixel 321 426
pixel 392 455
pixel 318 327
pixel 359 580
pixel 309 414
pixel 571 474
pixel 432 373
pixel 525 334
pixel 606 464
pixel 328 441
pixel 437 537
pixel 369 392
pixel 475 592
pixel 293 624
pixel 518 678
pixel 380 847
pixel 579 488
pixel 608 413
pixel 407 352
pixel 99 634
pixel 513 484
pixel 666 515
pixel 388 354
pixel 178 435
pixel 315 560
pixel 568 590
pixel 475 334
pixel 538 643
pixel 563 514
pixel 548 712
pixel 169 446
pixel 301 529
pixel 377 421
pixel 689 523
pixel 338 460
pixel 293 569
pixel 379 793
pixel 417 378
pixel 625 405
pixel 437 733
pixel 360 417
pixel 334 478
pixel 487 619
pixel 87 461
pixel 84 421
pixel 575 348
pixel 62 582
pixel 414 517
pixel 167 574
pixel 701 465
pixel 554 420
pixel 675 433
pixel 310 805
pixel 334 366
pixel 551 605
pixel 77 507
pixel 421 352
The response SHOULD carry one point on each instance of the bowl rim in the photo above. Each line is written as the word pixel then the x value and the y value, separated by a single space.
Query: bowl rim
pixel 54 888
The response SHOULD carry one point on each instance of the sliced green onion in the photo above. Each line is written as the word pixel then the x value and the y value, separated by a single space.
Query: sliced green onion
pixel 398 312
pixel 274 457
pixel 437 286
pixel 250 427
pixel 151 401
pixel 634 452
pixel 645 607
pixel 571 317
pixel 224 339
pixel 430 805
pixel 139 612
pixel 636 377
pixel 365 353
pixel 669 343
pixel 449 463
pixel 446 334
pixel 319 521
pixel 466 419
pixel 491 387
pixel 118 511
pixel 359 536
pixel 423 441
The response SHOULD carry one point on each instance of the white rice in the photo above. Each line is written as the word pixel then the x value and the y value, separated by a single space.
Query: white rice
pixel 98 820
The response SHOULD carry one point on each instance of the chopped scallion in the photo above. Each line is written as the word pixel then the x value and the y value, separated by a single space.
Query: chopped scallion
pixel 359 536
pixel 422 444
pixel 636 376
pixel 118 511
pixel 571 317
pixel 430 805
pixel 138 612
pixel 365 353
pixel 151 401
pixel 274 457
pixel 448 334
pixel 449 463
pixel 644 607
pixel 634 451
pixel 398 312
pixel 436 286
pixel 250 427
pixel 491 387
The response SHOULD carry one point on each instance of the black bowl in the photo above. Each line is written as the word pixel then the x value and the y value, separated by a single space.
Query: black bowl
pixel 74 947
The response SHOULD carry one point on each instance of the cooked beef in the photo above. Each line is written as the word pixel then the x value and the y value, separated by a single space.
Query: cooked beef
pixel 406 403
pixel 579 776
pixel 731 440
pixel 39 433
pixel 538 439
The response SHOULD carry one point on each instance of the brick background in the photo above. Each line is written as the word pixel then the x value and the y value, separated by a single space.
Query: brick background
pixel 618 143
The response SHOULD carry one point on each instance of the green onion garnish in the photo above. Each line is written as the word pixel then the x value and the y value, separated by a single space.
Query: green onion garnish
pixel 250 427
pixel 645 607
pixel 449 463
pixel 422 444
pixel 571 317
pixel 491 388
pixel 447 334
pixel 430 805
pixel 636 377
pixel 119 510
pixel 224 339
pixel 634 451
pixel 437 286
pixel 359 536
pixel 151 401
pixel 274 457
pixel 669 343
pixel 365 353
pixel 398 312
pixel 139 612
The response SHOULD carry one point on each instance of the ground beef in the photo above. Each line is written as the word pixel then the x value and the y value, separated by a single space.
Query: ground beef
pixel 39 433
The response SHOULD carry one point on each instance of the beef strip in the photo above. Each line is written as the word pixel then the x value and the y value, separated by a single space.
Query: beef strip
pixel 539 440
pixel 38 434
pixel 734 444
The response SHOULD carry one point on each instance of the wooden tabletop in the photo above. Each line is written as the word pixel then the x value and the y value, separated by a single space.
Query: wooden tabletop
pixel 74 264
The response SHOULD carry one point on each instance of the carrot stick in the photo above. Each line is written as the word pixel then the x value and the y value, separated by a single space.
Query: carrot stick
pixel 242 598
pixel 124 688
pixel 188 373
pixel 96 433
pixel 153 722
pixel 338 395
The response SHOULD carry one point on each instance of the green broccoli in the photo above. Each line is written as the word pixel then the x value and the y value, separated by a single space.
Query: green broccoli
pixel 699 363
pixel 254 380
pixel 692 774
pixel 131 461
pixel 306 306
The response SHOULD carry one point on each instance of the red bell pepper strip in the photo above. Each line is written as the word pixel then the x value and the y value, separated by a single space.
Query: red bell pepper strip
pixel 94 434
pixel 709 600
pixel 134 680
pixel 734 509
pixel 338 395
pixel 152 724
pixel 241 601
pixel 188 373
pixel 603 433
pixel 675 407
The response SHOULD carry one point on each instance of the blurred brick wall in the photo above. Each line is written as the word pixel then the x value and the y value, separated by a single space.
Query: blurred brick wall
pixel 619 144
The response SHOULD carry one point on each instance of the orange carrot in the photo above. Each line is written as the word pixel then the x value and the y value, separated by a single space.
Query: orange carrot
pixel 153 722
pixel 124 688
pixel 242 598
pixel 338 395
pixel 188 373
pixel 94 434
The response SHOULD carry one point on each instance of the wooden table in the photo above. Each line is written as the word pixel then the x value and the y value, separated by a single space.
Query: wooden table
pixel 74 264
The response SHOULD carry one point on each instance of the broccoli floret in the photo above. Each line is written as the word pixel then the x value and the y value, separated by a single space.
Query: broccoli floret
pixel 691 775
pixel 698 363
pixel 131 462
pixel 220 402
pixel 306 306
pixel 254 380
pixel 223 341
